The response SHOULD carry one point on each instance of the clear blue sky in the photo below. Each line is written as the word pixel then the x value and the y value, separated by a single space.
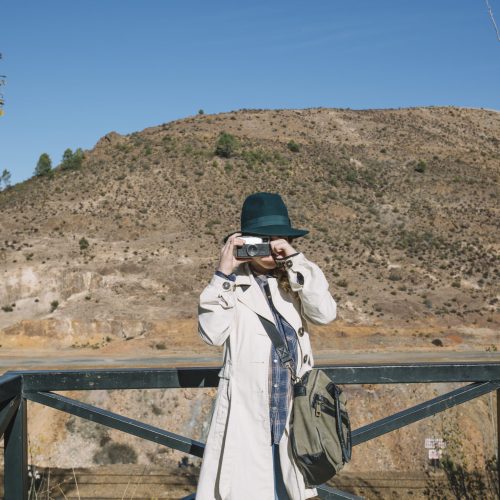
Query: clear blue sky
pixel 78 70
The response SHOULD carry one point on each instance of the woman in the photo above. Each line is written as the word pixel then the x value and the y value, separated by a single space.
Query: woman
pixel 247 455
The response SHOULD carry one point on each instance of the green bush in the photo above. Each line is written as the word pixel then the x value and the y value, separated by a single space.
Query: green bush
pixel 84 244
pixel 115 453
pixel 257 156
pixel 351 176
pixel 421 166
pixel 293 147
pixel 226 145
pixel 394 275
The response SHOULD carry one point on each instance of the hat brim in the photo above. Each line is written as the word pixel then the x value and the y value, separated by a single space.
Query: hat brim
pixel 284 231
pixel 275 231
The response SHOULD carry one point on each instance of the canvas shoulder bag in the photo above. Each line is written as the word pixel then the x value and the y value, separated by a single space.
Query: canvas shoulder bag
pixel 320 430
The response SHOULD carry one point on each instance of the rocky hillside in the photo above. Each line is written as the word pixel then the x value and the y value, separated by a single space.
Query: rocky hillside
pixel 402 208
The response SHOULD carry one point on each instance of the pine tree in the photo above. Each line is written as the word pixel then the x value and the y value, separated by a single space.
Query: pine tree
pixel 72 161
pixel 44 165
pixel 5 178
pixel 67 159
pixel 78 158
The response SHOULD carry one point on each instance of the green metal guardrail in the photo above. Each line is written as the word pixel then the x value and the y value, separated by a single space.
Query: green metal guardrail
pixel 18 387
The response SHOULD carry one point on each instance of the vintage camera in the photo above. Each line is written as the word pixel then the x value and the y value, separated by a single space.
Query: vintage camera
pixel 255 246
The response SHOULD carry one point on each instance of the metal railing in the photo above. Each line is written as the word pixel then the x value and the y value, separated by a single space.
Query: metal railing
pixel 18 387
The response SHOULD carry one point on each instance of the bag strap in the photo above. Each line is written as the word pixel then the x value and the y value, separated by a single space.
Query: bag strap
pixel 280 346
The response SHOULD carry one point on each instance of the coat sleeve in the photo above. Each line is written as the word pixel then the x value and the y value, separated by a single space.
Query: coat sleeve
pixel 307 279
pixel 216 311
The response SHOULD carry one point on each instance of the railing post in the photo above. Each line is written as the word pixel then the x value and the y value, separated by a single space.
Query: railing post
pixel 498 440
pixel 16 456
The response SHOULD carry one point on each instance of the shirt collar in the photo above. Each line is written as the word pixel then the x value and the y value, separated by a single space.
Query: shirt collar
pixel 244 275
pixel 260 275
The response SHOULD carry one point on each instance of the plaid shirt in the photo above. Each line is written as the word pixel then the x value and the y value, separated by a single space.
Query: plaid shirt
pixel 280 385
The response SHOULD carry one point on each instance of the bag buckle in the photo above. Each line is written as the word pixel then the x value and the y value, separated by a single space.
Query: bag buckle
pixel 288 365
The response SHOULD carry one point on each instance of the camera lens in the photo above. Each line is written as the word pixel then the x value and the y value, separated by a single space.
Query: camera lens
pixel 252 250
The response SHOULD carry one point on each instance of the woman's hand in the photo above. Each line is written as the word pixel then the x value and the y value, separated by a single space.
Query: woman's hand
pixel 228 263
pixel 281 248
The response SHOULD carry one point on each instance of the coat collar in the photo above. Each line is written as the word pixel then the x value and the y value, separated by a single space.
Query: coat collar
pixel 248 291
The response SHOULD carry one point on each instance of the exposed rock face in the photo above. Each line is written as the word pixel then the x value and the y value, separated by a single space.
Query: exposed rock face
pixel 59 439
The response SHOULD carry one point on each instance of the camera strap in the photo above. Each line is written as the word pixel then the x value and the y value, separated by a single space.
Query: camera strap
pixel 281 348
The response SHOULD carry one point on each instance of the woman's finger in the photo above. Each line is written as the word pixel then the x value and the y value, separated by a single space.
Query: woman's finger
pixel 278 247
pixel 233 236
pixel 229 241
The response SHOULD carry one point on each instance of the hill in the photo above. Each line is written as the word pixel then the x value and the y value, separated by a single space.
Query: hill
pixel 402 205
pixel 110 258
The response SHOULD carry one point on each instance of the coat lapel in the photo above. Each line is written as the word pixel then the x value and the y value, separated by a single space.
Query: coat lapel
pixel 249 293
pixel 284 307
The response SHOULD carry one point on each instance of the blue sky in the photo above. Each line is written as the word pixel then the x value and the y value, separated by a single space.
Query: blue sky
pixel 78 70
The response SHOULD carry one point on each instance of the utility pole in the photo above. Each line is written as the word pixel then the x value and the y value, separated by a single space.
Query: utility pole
pixel 2 83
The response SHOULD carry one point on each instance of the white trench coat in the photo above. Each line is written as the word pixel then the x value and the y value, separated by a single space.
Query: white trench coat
pixel 237 461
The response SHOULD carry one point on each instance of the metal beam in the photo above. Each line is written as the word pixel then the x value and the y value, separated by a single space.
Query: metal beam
pixel 7 411
pixel 162 378
pixel 11 385
pixel 330 493
pixel 422 410
pixel 16 456
pixel 414 373
pixel 122 378
pixel 125 424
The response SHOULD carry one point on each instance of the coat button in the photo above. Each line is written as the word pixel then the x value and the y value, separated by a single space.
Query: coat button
pixel 289 263
pixel 226 285
pixel 306 357
pixel 300 331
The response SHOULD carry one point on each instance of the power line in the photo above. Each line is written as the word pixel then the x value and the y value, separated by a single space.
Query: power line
pixel 2 83
pixel 490 12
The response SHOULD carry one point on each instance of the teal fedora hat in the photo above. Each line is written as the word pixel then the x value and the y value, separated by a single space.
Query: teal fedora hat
pixel 265 214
